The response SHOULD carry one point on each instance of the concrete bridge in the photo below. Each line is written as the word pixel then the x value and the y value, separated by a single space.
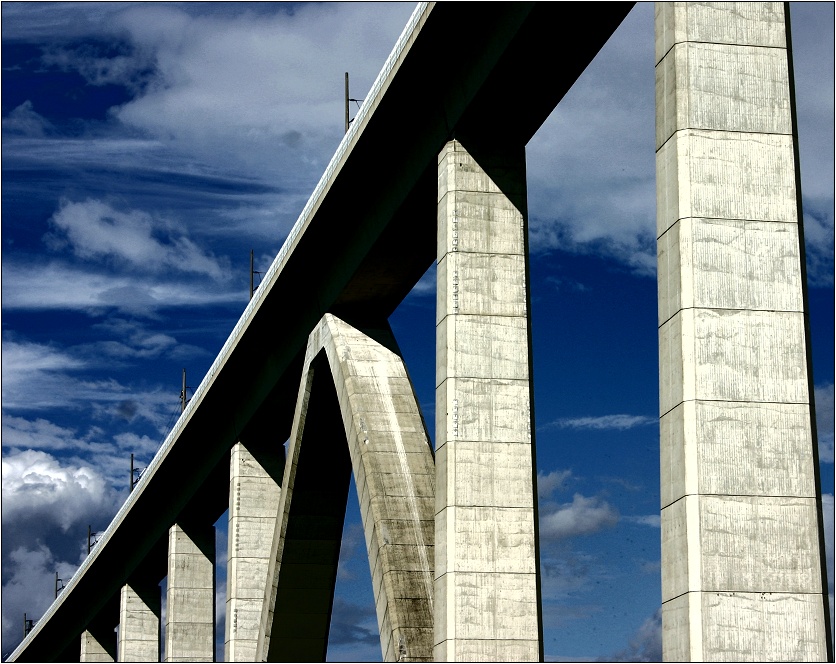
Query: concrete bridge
pixel 451 533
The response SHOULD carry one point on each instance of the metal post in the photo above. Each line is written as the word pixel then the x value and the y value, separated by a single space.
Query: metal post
pixel 132 474
pixel 346 103
pixel 183 400
pixel 252 290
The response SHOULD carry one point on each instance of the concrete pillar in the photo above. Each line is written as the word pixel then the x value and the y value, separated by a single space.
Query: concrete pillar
pixel 139 623
pixel 486 584
pixel 742 548
pixel 253 505
pixel 190 596
pixel 98 644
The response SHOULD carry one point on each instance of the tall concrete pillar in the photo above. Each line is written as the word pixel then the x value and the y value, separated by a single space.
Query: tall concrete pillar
pixel 253 505
pixel 139 623
pixel 190 596
pixel 486 587
pixel 98 644
pixel 742 548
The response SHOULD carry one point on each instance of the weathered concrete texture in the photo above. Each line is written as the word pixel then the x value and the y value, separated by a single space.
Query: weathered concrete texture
pixel 253 504
pixel 98 644
pixel 190 596
pixel 395 476
pixel 486 596
pixel 742 568
pixel 139 623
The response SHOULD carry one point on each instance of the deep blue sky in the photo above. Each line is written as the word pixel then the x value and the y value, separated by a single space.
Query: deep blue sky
pixel 147 148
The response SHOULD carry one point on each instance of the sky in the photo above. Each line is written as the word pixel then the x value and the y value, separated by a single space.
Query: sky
pixel 148 148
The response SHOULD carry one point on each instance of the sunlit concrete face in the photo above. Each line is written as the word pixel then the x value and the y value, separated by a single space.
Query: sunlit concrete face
pixel 190 603
pixel 486 606
pixel 253 504
pixel 373 409
pixel 741 537
pixel 139 623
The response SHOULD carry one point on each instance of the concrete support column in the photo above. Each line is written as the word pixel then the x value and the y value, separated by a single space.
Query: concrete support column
pixel 139 623
pixel 486 585
pixel 742 548
pixel 190 597
pixel 253 505
pixel 98 644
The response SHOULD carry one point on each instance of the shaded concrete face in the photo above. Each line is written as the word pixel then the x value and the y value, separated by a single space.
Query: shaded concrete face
pixel 486 597
pixel 741 537
pixel 139 623
pixel 253 504
pixel 373 408
pixel 190 594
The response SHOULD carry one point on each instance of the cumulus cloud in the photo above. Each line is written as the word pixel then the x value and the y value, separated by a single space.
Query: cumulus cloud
pixel 824 421
pixel 46 494
pixel 602 422
pixel 96 230
pixel 28 587
pixel 583 516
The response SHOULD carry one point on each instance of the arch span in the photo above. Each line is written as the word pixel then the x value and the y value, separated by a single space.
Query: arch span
pixel 353 388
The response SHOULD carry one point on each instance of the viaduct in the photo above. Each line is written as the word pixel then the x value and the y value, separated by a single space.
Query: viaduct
pixel 452 532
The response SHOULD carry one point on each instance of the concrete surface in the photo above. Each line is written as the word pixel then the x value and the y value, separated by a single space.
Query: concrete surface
pixel 253 504
pixel 98 645
pixel 139 623
pixel 190 594
pixel 374 409
pixel 486 594
pixel 742 552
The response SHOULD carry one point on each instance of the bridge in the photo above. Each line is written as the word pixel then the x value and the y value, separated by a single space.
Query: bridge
pixel 451 532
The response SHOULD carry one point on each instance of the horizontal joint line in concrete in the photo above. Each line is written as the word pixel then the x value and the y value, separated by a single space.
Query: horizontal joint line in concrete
pixel 739 495
pixel 762 311
pixel 722 131
pixel 750 401
pixel 753 221
pixel 696 41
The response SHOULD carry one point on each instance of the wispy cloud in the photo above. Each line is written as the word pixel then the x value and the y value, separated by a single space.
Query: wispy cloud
pixel 652 520
pixel 601 422
pixel 97 231
pixel 60 286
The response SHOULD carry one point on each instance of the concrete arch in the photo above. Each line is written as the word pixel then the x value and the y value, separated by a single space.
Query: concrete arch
pixel 366 399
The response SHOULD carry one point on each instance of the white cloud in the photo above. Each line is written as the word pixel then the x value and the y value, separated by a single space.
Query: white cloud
pixel 602 422
pixel 96 230
pixel 58 286
pixel 652 520
pixel 591 173
pixel 548 483
pixel 263 89
pixel 646 644
pixel 824 421
pixel 28 587
pixel 24 121
pixel 583 516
